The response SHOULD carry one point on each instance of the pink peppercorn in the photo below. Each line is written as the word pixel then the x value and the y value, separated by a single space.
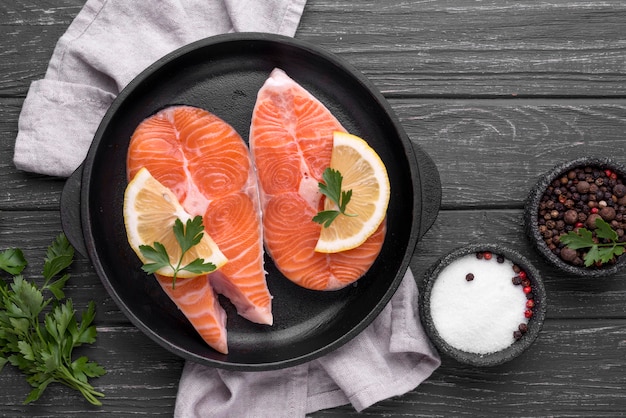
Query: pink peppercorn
pixel 522 274
pixel 530 303
pixel 527 289
pixel 528 313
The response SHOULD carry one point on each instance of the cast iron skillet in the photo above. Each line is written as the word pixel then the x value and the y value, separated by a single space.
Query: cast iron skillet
pixel 223 75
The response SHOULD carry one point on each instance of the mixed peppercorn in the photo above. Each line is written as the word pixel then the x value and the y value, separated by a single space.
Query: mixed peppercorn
pixel 519 279
pixel 575 200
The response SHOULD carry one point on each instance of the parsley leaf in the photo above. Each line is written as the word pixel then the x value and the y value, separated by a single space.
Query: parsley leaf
pixel 58 257
pixel 577 240
pixel 187 236
pixel 158 254
pixel 190 234
pixel 331 188
pixel 12 261
pixel 604 230
pixel 40 341
pixel 326 217
pixel 598 252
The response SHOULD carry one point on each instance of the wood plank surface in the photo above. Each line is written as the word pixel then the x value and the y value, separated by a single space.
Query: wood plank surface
pixel 558 376
pixel 569 297
pixel 479 48
pixel 473 143
pixel 490 153
pixel 417 48
pixel 496 92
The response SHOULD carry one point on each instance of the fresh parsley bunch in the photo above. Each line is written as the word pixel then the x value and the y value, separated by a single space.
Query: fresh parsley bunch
pixel 38 334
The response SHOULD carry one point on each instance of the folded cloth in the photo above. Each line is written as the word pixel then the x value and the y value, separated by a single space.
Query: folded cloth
pixel 106 46
pixel 109 43
pixel 390 357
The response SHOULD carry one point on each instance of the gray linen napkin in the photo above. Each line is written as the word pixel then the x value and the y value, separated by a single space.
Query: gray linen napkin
pixel 390 357
pixel 106 46
pixel 109 43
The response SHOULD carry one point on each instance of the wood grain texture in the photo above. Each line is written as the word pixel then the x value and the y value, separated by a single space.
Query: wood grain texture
pixel 558 376
pixel 569 297
pixel 473 143
pixel 145 383
pixel 416 48
pixel 21 190
pixel 479 48
pixel 490 153
pixel 30 30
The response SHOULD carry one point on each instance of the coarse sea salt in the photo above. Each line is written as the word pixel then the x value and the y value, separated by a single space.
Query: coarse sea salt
pixel 477 316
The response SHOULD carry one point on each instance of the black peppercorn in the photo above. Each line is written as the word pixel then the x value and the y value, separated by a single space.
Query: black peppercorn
pixel 570 217
pixel 619 190
pixel 591 221
pixel 607 213
pixel 582 187
pixel 567 254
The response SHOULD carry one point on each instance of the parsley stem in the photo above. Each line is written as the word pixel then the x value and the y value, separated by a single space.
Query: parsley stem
pixel 177 268
pixel 86 389
pixel 611 244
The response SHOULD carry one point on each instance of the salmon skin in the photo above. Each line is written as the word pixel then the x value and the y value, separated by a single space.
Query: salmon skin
pixel 291 139
pixel 207 165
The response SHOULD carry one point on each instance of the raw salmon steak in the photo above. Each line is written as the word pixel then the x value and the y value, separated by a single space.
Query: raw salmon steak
pixel 291 139
pixel 207 165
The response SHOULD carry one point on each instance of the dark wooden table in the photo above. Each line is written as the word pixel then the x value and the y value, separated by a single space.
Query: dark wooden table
pixel 497 92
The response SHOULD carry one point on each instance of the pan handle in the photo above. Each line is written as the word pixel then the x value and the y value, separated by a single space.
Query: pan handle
pixel 430 186
pixel 70 212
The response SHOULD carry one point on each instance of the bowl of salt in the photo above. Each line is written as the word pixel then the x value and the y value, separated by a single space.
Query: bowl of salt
pixel 482 304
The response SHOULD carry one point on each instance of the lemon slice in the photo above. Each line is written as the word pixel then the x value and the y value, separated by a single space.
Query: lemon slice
pixel 150 210
pixel 365 174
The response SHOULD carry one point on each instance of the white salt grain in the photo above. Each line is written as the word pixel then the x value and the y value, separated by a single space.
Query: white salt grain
pixel 477 316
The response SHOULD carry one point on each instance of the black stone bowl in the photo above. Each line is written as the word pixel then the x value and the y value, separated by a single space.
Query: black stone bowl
pixel 531 210
pixel 535 323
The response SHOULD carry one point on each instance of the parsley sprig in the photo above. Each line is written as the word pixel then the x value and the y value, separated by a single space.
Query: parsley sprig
pixel 331 188
pixel 598 252
pixel 38 342
pixel 188 236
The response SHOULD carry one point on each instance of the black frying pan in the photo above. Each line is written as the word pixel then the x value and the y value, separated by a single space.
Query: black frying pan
pixel 223 75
